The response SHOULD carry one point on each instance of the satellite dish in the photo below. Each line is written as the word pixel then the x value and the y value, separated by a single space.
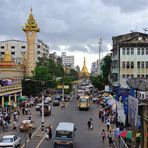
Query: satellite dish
pixel 137 84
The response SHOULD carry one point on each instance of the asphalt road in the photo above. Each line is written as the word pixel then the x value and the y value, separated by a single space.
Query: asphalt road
pixel 83 139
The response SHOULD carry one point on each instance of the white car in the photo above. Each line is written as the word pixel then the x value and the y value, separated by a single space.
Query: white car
pixel 10 141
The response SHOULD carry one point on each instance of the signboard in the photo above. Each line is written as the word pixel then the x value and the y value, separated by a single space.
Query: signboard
pixel 61 86
pixel 133 111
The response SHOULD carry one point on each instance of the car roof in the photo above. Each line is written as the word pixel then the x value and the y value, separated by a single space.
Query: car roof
pixel 8 136
pixel 26 121
pixel 65 126
pixel 84 97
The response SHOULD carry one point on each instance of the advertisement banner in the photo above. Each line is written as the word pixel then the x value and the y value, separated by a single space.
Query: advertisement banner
pixel 133 111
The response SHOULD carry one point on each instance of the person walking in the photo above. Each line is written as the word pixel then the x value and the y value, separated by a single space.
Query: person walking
pixel 50 131
pixel 89 123
pixel 103 135
pixel 110 138
pixel 108 124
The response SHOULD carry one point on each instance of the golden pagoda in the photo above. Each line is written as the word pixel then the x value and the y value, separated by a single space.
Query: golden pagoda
pixel 84 72
pixel 7 60
pixel 31 24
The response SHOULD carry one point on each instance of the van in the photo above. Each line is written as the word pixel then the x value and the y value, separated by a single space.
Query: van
pixel 64 134
pixel 83 102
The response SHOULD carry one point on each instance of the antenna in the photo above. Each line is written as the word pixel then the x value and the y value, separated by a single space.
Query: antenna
pixel 133 30
pixel 145 30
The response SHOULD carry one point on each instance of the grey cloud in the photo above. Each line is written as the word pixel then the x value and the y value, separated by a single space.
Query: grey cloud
pixel 76 23
pixel 127 5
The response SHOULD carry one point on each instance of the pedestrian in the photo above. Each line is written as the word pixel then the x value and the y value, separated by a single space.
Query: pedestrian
pixel 26 111
pixel 50 131
pixel 103 135
pixel 108 124
pixel 89 123
pixel 110 138
pixel 14 125
pixel 23 110
pixel 30 134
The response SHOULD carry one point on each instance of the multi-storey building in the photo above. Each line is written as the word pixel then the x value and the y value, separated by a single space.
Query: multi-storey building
pixel 129 58
pixel 67 60
pixel 94 69
pixel 18 49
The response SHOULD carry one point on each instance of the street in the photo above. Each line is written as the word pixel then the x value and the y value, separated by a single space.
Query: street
pixel 84 137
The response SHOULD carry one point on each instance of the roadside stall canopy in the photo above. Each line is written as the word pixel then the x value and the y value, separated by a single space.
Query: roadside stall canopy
pixel 21 98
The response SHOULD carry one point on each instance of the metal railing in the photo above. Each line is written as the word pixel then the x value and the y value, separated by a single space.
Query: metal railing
pixel 10 87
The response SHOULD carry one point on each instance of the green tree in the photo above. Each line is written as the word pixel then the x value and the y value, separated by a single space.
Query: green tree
pixel 106 68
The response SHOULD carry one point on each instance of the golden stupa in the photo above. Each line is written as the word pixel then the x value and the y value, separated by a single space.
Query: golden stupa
pixel 84 72
pixel 7 60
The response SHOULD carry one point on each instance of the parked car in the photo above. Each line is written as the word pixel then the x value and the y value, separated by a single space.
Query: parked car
pixel 56 103
pixel 10 141
pixel 27 125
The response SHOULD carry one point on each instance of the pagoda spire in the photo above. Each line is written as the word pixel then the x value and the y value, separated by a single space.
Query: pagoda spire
pixel 31 24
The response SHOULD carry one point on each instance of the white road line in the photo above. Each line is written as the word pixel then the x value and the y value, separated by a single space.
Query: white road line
pixel 40 141
pixel 68 102
pixel 31 136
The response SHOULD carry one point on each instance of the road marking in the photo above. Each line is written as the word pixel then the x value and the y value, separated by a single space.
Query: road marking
pixel 68 102
pixel 41 141
pixel 31 136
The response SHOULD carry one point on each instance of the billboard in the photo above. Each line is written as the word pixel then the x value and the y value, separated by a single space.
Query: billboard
pixel 133 111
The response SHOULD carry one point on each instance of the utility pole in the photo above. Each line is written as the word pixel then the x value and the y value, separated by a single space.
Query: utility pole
pixel 99 59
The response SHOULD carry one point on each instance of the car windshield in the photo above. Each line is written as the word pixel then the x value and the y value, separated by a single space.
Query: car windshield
pixel 83 100
pixel 64 134
pixel 6 140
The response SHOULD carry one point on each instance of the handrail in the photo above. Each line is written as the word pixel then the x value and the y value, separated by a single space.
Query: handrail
pixel 10 87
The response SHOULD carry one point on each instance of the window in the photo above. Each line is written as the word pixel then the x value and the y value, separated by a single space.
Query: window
pixel 128 51
pixel 138 76
pixel 123 64
pixel 38 46
pixel 138 64
pixel 22 53
pixel 13 53
pixel 127 65
pixel 2 53
pixel 132 51
pixel 132 64
pixel 146 51
pixel 12 47
pixel 123 76
pixel 38 52
pixel 142 76
pixel 138 51
pixel 127 76
pixel 146 65
pixel 142 51
pixel 2 47
pixel 123 51
pixel 146 76
pixel 142 64
pixel 143 96
pixel 23 47
pixel 132 76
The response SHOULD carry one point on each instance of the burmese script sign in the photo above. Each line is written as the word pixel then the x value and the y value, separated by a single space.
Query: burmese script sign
pixel 133 111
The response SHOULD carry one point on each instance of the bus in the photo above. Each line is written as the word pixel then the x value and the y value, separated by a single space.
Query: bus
pixel 83 102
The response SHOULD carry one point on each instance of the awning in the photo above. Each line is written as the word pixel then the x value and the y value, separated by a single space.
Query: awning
pixel 22 98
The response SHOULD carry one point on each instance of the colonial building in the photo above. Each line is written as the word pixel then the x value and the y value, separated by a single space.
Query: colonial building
pixel 67 60
pixel 129 58
pixel 11 76
pixel 18 49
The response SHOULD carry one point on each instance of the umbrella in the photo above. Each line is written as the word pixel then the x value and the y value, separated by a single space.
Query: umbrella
pixel 21 98
pixel 126 134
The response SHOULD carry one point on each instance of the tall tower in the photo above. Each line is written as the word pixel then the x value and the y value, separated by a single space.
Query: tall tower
pixel 30 29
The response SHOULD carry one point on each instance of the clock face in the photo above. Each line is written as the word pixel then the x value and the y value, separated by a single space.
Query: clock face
pixel 30 33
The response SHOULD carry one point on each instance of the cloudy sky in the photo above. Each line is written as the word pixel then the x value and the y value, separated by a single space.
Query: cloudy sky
pixel 74 26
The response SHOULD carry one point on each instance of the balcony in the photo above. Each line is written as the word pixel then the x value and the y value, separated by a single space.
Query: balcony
pixel 10 89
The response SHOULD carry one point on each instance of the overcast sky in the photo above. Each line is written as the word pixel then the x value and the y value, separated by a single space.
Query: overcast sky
pixel 74 26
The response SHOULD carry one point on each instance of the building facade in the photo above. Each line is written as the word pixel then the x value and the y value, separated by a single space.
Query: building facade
pixel 67 60
pixel 18 49
pixel 129 58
